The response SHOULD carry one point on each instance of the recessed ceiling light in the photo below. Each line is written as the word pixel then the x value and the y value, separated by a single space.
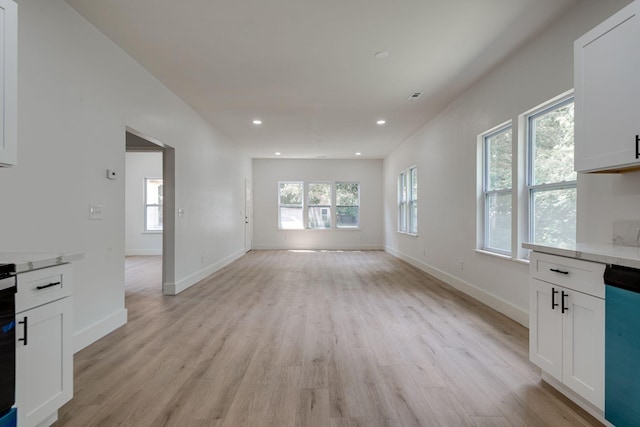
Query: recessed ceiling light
pixel 278 153
pixel 358 154
pixel 381 122
pixel 383 54
pixel 257 122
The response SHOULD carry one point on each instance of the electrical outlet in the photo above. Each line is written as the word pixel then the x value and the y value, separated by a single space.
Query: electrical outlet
pixel 95 212
pixel 461 265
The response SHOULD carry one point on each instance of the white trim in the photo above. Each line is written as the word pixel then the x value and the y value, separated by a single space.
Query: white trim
pixel 93 333
pixel 187 282
pixel 338 247
pixel 143 252
pixel 516 313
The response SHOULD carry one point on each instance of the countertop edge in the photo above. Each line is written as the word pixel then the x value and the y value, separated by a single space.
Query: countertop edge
pixel 627 256
pixel 33 261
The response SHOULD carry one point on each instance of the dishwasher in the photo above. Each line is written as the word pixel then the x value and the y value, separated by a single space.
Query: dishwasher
pixel 622 346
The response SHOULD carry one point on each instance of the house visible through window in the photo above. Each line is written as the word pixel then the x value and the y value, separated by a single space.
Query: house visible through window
pixel 551 178
pixel 497 194
pixel 319 204
pixel 153 204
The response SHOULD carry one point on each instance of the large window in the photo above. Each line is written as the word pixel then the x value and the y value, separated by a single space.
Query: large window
pixel 319 205
pixel 408 201
pixel 347 205
pixel 310 205
pixel 153 204
pixel 527 191
pixel 290 204
pixel 551 180
pixel 497 194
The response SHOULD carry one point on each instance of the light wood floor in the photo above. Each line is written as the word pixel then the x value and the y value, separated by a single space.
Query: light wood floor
pixel 338 339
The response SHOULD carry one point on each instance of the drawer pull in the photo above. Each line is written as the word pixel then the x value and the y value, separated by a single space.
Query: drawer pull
pixel 564 295
pixel 24 323
pixel 47 286
pixel 555 270
pixel 554 304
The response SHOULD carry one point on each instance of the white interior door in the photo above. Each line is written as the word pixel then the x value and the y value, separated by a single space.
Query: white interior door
pixel 248 216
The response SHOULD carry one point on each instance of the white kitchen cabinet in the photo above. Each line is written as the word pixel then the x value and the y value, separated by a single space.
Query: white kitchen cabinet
pixel 8 82
pixel 566 325
pixel 44 362
pixel 607 94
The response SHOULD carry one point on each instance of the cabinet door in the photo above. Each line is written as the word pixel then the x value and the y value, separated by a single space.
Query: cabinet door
pixel 8 82
pixel 44 365
pixel 607 93
pixel 583 352
pixel 545 327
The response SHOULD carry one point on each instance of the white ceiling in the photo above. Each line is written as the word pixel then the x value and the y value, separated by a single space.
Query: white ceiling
pixel 307 68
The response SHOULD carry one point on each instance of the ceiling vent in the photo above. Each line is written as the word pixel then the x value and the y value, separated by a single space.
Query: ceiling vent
pixel 415 95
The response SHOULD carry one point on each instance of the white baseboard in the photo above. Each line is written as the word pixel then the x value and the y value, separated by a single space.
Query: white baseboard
pixel 93 333
pixel 341 247
pixel 516 313
pixel 187 282
pixel 142 252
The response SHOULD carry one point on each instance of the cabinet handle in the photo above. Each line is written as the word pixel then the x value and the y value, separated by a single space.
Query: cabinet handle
pixel 24 323
pixel 47 286
pixel 564 295
pixel 637 146
pixel 554 304
pixel 555 270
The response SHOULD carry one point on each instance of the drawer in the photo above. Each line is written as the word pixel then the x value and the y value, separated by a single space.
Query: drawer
pixel 575 274
pixel 42 286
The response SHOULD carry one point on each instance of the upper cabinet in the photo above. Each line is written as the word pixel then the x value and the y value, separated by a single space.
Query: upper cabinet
pixel 607 94
pixel 8 82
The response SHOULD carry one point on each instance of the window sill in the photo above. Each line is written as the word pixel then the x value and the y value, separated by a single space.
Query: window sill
pixel 322 229
pixel 502 256
pixel 407 234
pixel 152 232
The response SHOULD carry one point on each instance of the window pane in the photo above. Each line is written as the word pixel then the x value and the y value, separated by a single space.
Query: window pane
pixel 554 213
pixel 551 136
pixel 290 194
pixel 154 191
pixel 498 226
pixel 413 217
pixel 319 194
pixel 347 216
pixel 154 218
pixel 347 194
pixel 319 217
pixel 414 184
pixel 403 187
pixel 498 161
pixel 402 217
pixel 347 201
pixel 291 218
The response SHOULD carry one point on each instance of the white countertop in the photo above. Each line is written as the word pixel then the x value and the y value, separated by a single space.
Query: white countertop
pixel 628 256
pixel 33 261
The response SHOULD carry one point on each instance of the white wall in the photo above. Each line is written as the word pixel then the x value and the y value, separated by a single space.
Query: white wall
pixel 77 94
pixel 267 173
pixel 140 165
pixel 445 150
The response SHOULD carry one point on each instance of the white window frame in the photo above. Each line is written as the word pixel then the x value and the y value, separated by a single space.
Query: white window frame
pixel 302 202
pixel 405 205
pixel 335 200
pixel 148 205
pixel 531 189
pixel 486 194
pixel 330 206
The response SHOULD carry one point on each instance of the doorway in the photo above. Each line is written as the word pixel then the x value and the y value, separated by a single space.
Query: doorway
pixel 149 206
pixel 248 215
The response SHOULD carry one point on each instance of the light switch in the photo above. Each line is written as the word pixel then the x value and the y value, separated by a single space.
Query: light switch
pixel 180 212
pixel 95 212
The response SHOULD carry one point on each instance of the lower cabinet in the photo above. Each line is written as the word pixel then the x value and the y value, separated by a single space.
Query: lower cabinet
pixel 566 331
pixel 44 357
